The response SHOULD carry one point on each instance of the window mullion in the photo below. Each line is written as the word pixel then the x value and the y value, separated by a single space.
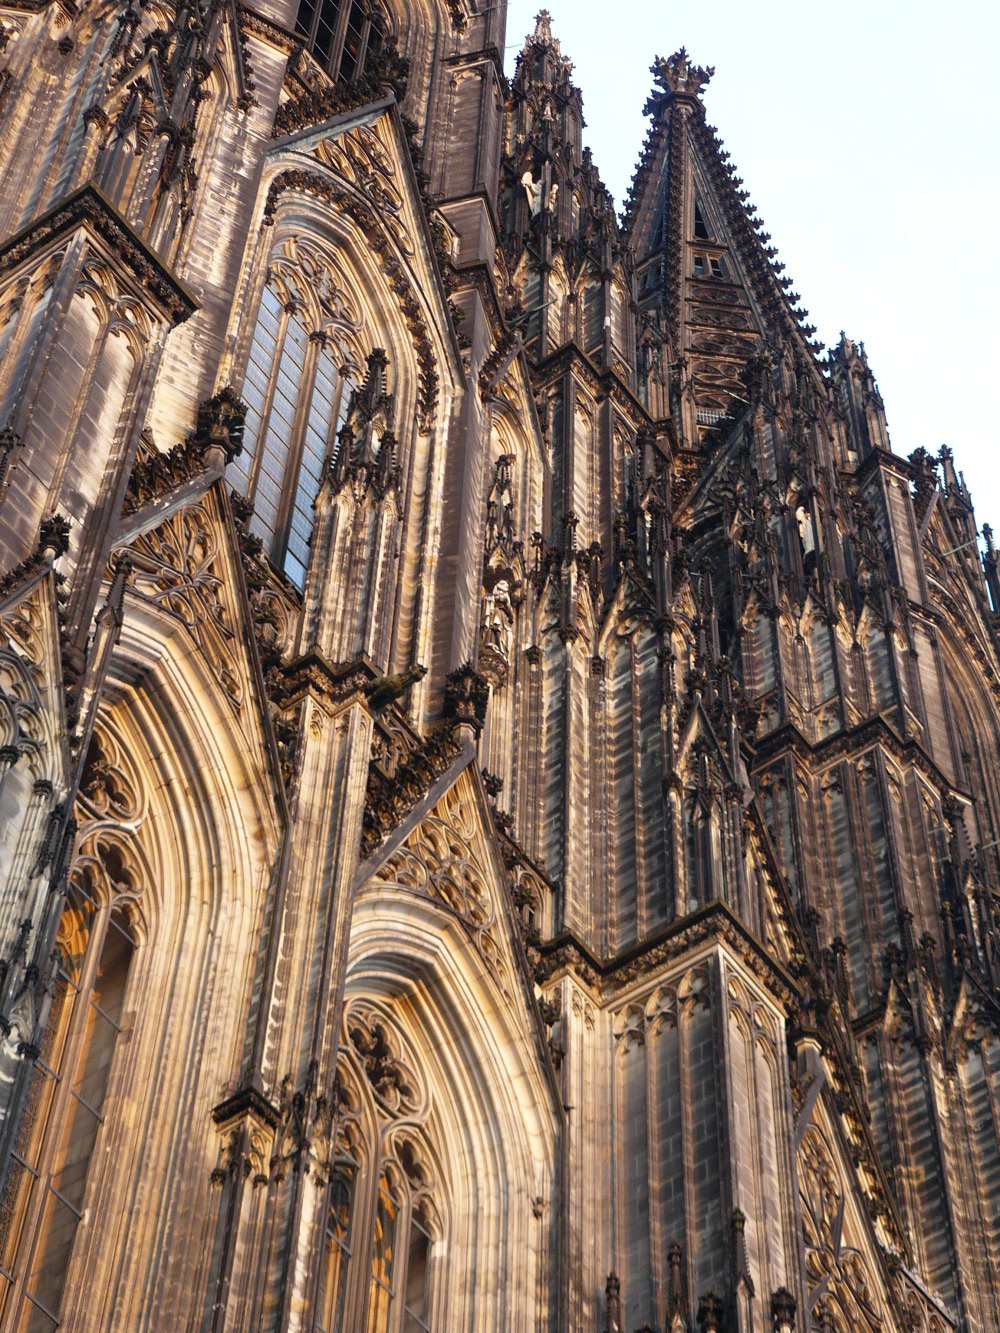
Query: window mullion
pixel 314 26
pixel 293 463
pixel 363 45
pixel 339 38
pixel 398 1275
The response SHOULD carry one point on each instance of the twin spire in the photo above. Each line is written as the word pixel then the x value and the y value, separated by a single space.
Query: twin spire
pixel 708 284
pixel 676 76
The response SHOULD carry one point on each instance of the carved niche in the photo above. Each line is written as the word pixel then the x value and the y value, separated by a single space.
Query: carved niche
pixel 503 576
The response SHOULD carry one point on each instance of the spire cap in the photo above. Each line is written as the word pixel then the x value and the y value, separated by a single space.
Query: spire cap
pixel 542 36
pixel 677 77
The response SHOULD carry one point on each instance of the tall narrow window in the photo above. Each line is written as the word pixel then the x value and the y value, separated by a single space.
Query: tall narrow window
pixel 44 1192
pixel 345 36
pixel 336 1247
pixel 701 230
pixel 416 1312
pixel 383 1260
pixel 297 395
pixel 378 1274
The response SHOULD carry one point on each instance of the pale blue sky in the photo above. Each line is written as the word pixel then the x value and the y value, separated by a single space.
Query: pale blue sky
pixel 866 134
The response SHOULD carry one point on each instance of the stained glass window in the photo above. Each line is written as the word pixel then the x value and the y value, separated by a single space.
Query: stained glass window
pixel 344 37
pixel 45 1189
pixel 296 395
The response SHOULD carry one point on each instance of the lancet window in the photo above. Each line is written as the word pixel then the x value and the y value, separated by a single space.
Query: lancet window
pixel 377 1269
pixel 376 1263
pixel 337 1242
pixel 43 1197
pixel 299 376
pixel 345 37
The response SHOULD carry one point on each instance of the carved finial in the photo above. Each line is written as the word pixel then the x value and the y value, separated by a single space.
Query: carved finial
pixel 710 1313
pixel 741 1260
pixel 677 77
pixel 466 695
pixel 53 536
pixel 220 423
pixel 543 29
pixel 783 1305
pixel 542 36
pixel 373 389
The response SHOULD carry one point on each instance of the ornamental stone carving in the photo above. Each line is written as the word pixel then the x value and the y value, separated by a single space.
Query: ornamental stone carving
pixel 438 861
pixel 385 1059
pixel 110 809
pixel 360 157
pixel 837 1273
pixel 178 567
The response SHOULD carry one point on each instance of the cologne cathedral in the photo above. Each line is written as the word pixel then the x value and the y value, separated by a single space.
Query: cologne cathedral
pixel 499 780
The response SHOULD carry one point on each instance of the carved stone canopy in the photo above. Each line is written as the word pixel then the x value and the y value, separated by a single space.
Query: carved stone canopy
pixel 367 445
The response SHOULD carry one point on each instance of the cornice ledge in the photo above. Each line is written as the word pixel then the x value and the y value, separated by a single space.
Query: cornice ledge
pixel 385 83
pixel 257 24
pixel 607 381
pixel 715 921
pixel 879 457
pixel 89 208
pixel 847 741
pixel 246 1101
pixel 489 54
pixel 335 684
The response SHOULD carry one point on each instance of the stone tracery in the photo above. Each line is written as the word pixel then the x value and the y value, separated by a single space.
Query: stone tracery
pixel 177 567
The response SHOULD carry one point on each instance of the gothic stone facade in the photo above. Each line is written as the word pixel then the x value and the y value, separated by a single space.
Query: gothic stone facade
pixel 499 784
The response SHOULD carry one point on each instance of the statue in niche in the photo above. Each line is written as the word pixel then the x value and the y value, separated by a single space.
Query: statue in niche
pixel 498 618
pixel 807 537
pixel 533 189
pixel 496 631
pixel 804 519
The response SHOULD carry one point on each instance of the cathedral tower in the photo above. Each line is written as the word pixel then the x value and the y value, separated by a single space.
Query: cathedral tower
pixel 499 797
